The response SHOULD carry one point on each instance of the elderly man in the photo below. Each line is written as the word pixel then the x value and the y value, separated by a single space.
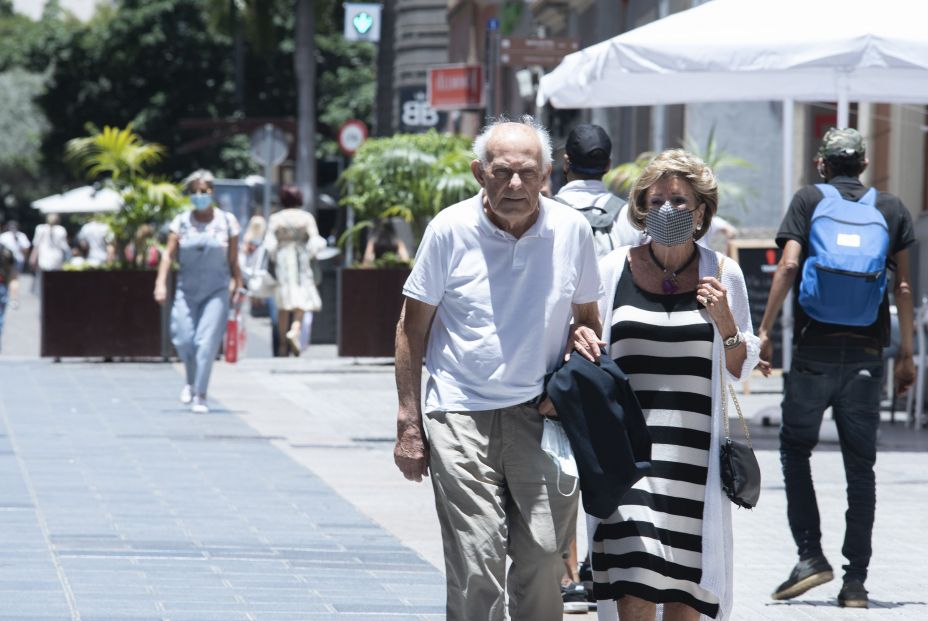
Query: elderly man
pixel 496 280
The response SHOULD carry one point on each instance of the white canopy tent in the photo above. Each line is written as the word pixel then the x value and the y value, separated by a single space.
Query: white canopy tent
pixel 85 199
pixel 756 50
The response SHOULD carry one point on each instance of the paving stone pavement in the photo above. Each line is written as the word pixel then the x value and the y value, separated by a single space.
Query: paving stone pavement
pixel 116 503
pixel 284 503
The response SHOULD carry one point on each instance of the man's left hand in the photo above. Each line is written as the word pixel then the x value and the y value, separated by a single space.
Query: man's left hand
pixel 903 373
pixel 585 341
pixel 546 408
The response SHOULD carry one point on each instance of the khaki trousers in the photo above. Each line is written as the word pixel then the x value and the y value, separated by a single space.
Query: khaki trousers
pixel 496 494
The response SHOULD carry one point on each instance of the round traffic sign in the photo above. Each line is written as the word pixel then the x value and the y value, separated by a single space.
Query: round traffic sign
pixel 351 135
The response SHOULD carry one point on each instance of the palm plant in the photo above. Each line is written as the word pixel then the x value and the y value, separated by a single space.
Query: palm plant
pixel 119 158
pixel 718 159
pixel 619 180
pixel 411 176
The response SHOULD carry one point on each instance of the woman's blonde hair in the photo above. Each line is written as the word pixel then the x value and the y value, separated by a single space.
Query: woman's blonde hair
pixel 198 175
pixel 683 165
pixel 254 231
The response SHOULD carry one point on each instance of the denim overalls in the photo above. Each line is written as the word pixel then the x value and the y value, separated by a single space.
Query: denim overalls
pixel 201 302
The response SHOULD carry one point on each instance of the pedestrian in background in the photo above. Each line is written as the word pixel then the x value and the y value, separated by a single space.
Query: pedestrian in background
pixel 384 240
pixel 17 242
pixel 9 284
pixel 255 263
pixel 50 249
pixel 838 363
pixel 673 321
pixel 501 274
pixel 292 242
pixel 204 240
pixel 587 158
pixel 99 239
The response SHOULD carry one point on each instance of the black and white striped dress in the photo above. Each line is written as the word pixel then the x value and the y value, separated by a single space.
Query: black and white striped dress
pixel 651 547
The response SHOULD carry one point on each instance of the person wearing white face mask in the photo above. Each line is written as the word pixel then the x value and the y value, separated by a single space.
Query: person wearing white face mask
pixel 672 320
pixel 204 240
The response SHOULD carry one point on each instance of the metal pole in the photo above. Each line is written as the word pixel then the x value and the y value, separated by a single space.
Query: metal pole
pixel 844 105
pixel 789 120
pixel 492 65
pixel 349 221
pixel 659 113
pixel 268 168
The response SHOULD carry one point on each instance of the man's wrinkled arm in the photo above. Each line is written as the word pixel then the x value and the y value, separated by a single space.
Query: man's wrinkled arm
pixel 412 331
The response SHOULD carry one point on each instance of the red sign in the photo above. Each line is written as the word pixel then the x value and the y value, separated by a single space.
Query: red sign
pixel 351 135
pixel 525 51
pixel 455 87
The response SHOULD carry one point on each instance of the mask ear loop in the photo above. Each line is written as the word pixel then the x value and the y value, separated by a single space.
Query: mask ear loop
pixel 557 464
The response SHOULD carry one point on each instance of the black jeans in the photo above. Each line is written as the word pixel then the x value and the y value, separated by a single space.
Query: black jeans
pixel 847 377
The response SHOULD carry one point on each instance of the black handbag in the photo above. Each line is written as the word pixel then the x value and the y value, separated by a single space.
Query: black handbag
pixel 739 470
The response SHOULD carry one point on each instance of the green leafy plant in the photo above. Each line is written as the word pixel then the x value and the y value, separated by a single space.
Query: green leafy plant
pixel 411 176
pixel 119 159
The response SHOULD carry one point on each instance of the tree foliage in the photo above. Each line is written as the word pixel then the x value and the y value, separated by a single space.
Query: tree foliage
pixel 120 159
pixel 155 64
pixel 412 176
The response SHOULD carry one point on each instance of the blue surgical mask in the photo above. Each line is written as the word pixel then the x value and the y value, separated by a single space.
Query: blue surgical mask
pixel 201 201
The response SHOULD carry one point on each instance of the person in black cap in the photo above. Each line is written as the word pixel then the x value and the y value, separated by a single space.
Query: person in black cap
pixel 838 359
pixel 587 157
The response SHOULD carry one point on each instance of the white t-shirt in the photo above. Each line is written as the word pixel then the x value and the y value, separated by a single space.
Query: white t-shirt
pixel 504 304
pixel 222 227
pixel 51 245
pixel 98 236
pixel 586 192
pixel 18 244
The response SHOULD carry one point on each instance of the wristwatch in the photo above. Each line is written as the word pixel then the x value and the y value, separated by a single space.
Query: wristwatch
pixel 733 341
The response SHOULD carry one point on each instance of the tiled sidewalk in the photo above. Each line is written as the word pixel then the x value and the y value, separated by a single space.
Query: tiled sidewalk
pixel 118 504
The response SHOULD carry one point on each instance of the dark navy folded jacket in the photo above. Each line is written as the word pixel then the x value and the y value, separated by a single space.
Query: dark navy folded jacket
pixel 606 429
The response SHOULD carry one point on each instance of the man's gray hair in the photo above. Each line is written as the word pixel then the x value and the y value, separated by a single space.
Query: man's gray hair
pixel 198 175
pixel 480 142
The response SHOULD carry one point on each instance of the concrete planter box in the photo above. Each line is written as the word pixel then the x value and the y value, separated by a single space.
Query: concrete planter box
pixel 369 304
pixel 109 314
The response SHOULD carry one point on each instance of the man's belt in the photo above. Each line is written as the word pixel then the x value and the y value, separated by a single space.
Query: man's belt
pixel 535 401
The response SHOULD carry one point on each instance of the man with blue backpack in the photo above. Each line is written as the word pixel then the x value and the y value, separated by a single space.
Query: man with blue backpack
pixel 839 239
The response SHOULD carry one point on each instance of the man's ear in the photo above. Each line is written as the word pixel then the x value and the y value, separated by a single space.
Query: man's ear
pixel 476 168
pixel 566 165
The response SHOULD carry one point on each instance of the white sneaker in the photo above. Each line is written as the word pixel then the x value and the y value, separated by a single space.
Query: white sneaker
pixel 199 405
pixel 186 395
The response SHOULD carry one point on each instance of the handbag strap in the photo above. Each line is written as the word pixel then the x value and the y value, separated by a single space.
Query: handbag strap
pixel 727 390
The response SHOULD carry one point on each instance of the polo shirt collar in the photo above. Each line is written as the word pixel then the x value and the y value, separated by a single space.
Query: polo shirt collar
pixel 585 185
pixel 538 229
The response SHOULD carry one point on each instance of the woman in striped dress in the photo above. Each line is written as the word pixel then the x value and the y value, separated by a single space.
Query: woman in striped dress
pixel 672 325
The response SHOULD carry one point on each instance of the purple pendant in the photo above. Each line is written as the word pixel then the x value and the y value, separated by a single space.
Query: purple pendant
pixel 668 286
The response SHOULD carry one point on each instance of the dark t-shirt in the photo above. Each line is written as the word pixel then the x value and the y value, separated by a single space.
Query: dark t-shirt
pixel 796 224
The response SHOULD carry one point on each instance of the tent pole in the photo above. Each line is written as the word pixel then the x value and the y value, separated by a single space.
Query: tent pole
pixel 843 104
pixel 789 119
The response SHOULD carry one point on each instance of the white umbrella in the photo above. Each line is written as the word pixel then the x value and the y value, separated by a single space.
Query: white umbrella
pixel 755 50
pixel 86 199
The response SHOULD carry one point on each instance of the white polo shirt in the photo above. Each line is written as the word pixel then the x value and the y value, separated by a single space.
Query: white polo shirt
pixel 504 304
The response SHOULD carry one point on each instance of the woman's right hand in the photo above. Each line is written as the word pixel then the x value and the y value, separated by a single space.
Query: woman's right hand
pixel 161 293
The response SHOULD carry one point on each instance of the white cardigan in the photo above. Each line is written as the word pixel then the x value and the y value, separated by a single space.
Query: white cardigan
pixel 716 519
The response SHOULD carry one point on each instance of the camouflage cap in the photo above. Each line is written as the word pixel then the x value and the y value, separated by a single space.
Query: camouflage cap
pixel 842 142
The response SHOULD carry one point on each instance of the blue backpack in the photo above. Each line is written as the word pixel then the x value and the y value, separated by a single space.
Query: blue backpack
pixel 844 276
